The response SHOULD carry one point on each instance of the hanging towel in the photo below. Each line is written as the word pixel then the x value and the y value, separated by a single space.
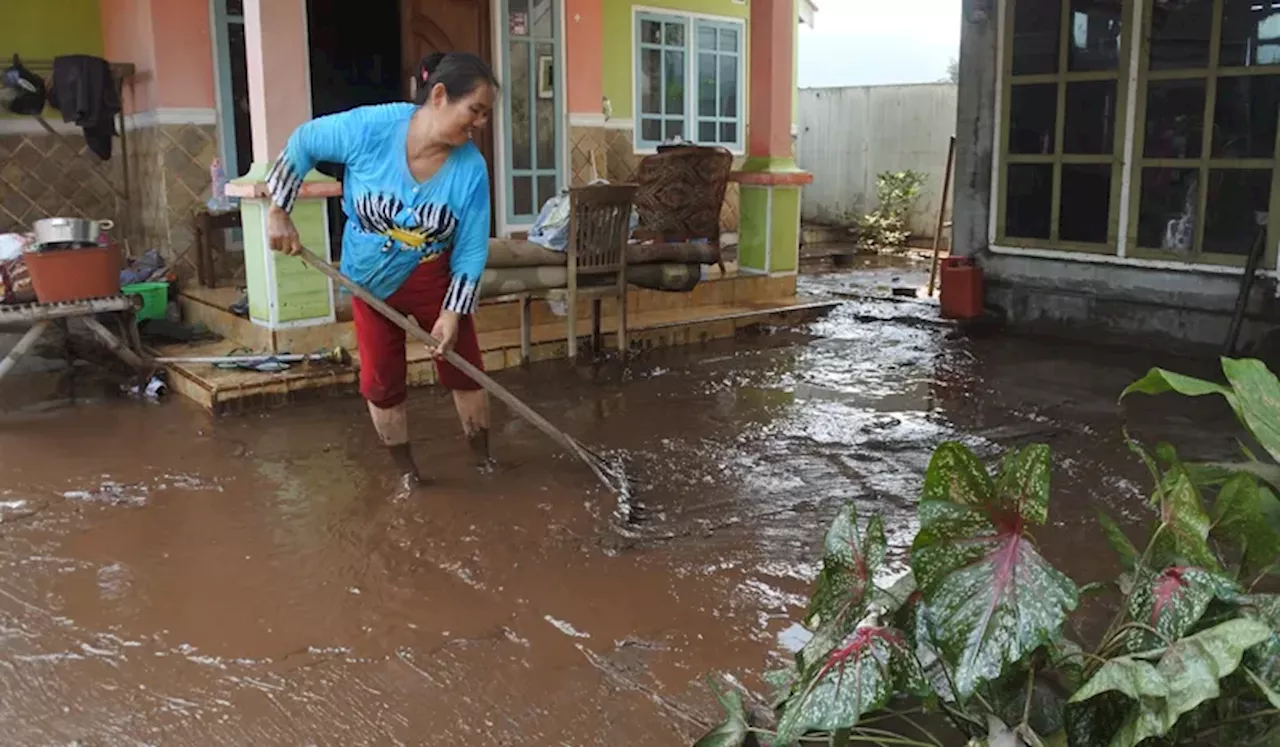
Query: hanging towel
pixel 84 91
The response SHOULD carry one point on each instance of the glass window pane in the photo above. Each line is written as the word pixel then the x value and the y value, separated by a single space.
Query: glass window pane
pixel 729 133
pixel 521 107
pixel 1238 201
pixel 545 109
pixel 674 70
pixel 546 189
pixel 1180 31
pixel 706 39
pixel 651 130
pixel 650 81
pixel 1084 205
pixel 674 34
pixel 1167 209
pixel 1091 118
pixel 1244 116
pixel 706 85
pixel 1036 25
pixel 1250 33
pixel 1175 119
pixel 728 86
pixel 650 32
pixel 706 132
pixel 1032 120
pixel 1028 199
pixel 235 7
pixel 543 25
pixel 522 203
pixel 1094 38
pixel 674 129
pixel 728 40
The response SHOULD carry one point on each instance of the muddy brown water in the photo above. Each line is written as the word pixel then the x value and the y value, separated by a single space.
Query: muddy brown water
pixel 170 578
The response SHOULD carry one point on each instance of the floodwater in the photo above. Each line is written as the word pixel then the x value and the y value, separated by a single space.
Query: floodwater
pixel 174 579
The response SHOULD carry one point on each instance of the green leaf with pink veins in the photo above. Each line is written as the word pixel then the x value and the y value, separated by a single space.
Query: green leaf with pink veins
pixel 992 597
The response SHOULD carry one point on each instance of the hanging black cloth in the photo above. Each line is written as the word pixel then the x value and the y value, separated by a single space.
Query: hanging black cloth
pixel 85 92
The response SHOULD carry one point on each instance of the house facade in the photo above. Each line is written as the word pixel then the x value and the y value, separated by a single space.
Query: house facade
pixel 1116 162
pixel 588 88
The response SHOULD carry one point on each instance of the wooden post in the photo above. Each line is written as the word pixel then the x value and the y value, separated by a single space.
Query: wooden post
pixel 942 215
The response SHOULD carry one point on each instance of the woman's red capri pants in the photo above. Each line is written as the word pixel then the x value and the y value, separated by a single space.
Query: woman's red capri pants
pixel 383 365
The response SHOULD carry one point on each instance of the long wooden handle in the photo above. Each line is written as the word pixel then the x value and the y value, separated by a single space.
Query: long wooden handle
pixel 412 328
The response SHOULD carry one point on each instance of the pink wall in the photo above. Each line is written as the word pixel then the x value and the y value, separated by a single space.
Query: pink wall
pixel 584 55
pixel 170 43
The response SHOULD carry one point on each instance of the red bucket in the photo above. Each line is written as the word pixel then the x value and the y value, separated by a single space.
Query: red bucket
pixel 75 274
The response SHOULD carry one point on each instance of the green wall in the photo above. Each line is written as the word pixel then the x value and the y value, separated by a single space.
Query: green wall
pixel 619 48
pixel 44 29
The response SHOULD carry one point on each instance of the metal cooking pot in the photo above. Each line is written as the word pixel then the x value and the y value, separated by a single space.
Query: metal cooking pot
pixel 70 230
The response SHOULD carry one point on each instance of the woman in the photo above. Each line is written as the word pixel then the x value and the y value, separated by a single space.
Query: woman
pixel 416 196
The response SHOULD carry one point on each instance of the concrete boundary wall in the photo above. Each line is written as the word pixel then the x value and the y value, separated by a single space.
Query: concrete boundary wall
pixel 848 136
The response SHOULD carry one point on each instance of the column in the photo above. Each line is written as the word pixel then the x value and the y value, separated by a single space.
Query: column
pixel 770 182
pixel 283 292
pixel 584 85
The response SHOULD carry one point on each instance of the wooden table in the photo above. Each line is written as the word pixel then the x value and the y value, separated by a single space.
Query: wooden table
pixel 41 316
pixel 209 228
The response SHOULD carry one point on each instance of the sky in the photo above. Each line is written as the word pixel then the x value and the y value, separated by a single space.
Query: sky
pixel 873 42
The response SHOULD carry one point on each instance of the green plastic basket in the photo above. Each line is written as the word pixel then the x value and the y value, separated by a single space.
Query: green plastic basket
pixel 155 299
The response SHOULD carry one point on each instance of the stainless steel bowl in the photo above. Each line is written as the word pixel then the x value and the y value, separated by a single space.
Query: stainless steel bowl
pixel 68 231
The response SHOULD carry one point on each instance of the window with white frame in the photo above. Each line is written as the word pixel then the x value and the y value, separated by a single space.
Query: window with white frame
pixel 1170 151
pixel 689 80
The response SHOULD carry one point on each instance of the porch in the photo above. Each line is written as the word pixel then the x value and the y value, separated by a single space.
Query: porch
pixel 590 89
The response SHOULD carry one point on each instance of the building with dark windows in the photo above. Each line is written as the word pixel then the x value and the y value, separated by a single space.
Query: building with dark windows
pixel 1117 162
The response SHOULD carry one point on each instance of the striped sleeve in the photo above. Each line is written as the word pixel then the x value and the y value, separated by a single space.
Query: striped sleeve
pixel 471 248
pixel 334 139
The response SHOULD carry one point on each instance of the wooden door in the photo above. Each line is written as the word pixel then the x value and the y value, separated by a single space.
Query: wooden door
pixel 429 26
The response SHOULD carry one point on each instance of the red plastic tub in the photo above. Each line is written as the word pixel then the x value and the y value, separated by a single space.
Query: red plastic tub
pixel 75 274
pixel 961 296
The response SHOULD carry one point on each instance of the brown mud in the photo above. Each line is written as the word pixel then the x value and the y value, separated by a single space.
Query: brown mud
pixel 169 578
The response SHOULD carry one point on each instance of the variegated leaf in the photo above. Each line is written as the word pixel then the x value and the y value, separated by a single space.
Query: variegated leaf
pixel 849 564
pixel 857 678
pixel 1263 660
pixel 1184 531
pixel 1246 515
pixel 1257 392
pixel 1172 602
pixel 1185 676
pixel 992 597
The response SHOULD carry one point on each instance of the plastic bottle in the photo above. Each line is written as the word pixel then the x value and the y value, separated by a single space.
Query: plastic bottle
pixel 218 178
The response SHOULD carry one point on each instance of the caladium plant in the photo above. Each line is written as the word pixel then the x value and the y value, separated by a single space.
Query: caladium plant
pixel 992 597
pixel 974 631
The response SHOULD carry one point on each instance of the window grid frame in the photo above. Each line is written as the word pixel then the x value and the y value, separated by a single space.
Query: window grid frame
pixel 691 50
pixel 1062 78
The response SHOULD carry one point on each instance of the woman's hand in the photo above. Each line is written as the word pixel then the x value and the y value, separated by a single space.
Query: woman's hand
pixel 446 332
pixel 281 233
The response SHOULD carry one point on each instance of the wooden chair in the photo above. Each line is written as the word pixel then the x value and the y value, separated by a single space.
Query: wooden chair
pixel 596 261
pixel 681 194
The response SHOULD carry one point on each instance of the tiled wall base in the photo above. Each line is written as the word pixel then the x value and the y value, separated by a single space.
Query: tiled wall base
pixel 171 178
pixel 41 176
pixel 617 159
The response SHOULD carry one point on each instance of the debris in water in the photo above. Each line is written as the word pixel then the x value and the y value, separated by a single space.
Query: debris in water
pixel 566 628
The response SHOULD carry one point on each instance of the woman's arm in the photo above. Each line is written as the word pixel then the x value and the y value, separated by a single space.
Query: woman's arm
pixel 470 248
pixel 335 138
